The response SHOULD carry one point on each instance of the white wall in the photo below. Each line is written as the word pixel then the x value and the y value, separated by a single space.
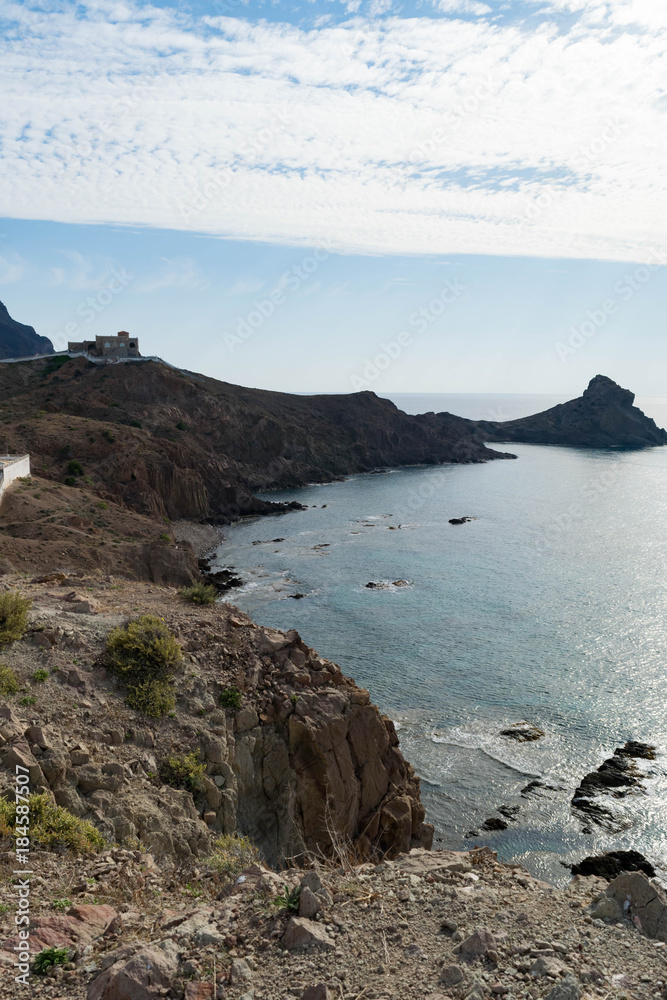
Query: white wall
pixel 8 473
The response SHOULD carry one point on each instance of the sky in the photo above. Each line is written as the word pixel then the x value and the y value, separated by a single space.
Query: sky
pixel 436 196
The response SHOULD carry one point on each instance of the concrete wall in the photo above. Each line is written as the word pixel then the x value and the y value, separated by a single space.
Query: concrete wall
pixel 11 468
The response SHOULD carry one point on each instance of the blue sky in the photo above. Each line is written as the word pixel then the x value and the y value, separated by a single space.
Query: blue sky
pixel 440 195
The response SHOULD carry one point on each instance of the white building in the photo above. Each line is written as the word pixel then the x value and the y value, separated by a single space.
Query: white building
pixel 11 468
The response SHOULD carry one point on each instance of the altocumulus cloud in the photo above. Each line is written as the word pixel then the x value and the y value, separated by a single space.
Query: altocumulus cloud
pixel 413 135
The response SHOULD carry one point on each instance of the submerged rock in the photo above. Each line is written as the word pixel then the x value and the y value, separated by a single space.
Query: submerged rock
pixel 523 732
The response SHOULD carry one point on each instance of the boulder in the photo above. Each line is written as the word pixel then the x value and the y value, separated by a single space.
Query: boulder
pixel 319 992
pixel 301 933
pixel 145 975
pixel 451 975
pixel 634 896
pixel 568 989
pixel 75 929
pixel 309 903
pixel 478 945
pixel 240 972
pixel 546 965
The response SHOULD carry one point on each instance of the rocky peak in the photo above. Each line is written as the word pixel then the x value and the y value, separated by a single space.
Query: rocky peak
pixel 603 390
pixel 18 340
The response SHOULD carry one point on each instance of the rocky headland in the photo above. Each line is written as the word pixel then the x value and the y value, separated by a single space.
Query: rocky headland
pixel 603 417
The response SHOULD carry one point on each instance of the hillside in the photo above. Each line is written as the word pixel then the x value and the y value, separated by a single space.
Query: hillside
pixel 174 444
pixel 18 340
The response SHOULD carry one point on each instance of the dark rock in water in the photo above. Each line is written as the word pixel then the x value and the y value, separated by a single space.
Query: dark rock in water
pixel 371 586
pixel 523 732
pixel 222 579
pixel 296 597
pixel 461 520
pixel 401 583
pixel 268 541
pixel 603 417
pixel 612 863
pixel 510 812
pixel 494 823
pixel 634 749
pixel 531 786
pixel 615 777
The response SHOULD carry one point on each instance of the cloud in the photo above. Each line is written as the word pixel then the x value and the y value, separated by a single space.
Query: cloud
pixel 414 135
pixel 82 272
pixel 461 7
pixel 12 268
pixel 245 286
pixel 177 272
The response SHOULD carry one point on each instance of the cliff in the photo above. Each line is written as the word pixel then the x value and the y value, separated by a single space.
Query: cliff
pixel 18 340
pixel 302 762
pixel 603 417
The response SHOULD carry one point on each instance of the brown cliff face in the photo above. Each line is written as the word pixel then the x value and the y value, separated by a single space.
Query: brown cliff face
pixel 306 766
pixel 174 444
pixel 603 417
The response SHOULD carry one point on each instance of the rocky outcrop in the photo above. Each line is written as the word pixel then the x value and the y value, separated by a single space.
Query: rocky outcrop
pixel 603 417
pixel 305 765
pixel 18 340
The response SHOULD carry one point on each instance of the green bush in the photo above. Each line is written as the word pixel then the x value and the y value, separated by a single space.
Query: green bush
pixel 145 655
pixel 135 423
pixel 183 770
pixel 199 593
pixel 143 650
pixel 180 426
pixel 40 675
pixel 51 825
pixel 232 853
pixel 154 698
pixel 61 904
pixel 70 481
pixel 75 468
pixel 13 617
pixel 28 700
pixel 9 682
pixel 230 698
pixel 49 957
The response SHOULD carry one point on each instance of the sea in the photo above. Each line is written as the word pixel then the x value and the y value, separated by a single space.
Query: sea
pixel 549 607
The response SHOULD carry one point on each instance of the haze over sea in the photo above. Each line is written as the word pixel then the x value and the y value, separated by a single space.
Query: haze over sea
pixel 548 607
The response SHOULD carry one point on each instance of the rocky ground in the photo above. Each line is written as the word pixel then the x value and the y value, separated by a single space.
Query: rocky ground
pixel 309 770
pixel 426 926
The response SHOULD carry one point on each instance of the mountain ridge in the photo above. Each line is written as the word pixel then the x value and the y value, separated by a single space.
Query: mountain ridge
pixel 17 340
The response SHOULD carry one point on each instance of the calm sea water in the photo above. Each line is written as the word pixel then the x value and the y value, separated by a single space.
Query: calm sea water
pixel 550 607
